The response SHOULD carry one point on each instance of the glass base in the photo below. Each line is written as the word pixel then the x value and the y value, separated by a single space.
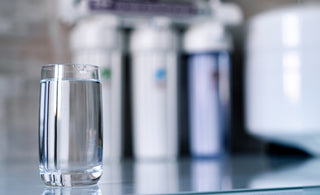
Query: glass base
pixel 72 178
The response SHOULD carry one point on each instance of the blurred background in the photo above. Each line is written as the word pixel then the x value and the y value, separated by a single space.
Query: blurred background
pixel 119 33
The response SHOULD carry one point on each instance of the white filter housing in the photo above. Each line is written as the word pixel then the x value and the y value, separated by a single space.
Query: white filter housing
pixel 282 77
pixel 207 36
pixel 154 86
pixel 97 40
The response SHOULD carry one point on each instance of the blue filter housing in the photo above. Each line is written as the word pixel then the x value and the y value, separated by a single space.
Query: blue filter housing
pixel 209 102
pixel 207 46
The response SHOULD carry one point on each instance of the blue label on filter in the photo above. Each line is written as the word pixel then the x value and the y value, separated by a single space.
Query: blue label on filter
pixel 160 77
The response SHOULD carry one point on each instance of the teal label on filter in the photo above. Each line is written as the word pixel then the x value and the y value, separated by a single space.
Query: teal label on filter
pixel 106 73
pixel 106 77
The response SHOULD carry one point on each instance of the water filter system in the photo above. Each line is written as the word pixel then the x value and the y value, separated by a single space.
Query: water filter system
pixel 154 49
pixel 208 45
pixel 98 40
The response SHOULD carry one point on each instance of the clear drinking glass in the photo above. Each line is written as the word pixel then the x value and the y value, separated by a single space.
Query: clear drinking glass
pixel 70 125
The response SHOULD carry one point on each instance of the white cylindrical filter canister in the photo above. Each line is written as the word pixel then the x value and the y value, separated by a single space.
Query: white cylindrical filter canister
pixel 282 77
pixel 98 40
pixel 154 49
pixel 207 46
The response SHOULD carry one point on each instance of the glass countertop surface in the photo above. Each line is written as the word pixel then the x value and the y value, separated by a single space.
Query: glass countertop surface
pixel 235 175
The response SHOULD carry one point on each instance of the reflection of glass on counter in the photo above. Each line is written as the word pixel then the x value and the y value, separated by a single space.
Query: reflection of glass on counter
pixel 91 190
pixel 156 177
pixel 209 175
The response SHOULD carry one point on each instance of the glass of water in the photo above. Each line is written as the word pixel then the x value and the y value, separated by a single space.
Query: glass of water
pixel 70 125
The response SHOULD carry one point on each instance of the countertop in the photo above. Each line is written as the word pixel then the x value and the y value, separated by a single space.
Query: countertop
pixel 234 175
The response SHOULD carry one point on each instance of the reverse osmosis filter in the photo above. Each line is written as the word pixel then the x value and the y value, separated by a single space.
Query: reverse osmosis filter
pixel 208 76
pixel 154 49
pixel 207 45
pixel 98 40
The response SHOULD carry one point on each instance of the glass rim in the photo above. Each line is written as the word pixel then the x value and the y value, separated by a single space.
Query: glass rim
pixel 70 71
pixel 47 66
